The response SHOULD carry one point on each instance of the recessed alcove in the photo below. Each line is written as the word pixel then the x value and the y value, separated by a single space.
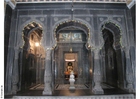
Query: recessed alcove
pixel 71 48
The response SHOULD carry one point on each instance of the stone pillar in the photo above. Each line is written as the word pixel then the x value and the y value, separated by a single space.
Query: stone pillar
pixel 129 72
pixel 97 89
pixel 15 73
pixel 48 73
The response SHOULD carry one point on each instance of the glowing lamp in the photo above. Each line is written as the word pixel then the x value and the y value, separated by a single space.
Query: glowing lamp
pixel 36 44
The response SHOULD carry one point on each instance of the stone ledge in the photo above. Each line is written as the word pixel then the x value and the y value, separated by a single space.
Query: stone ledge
pixel 125 96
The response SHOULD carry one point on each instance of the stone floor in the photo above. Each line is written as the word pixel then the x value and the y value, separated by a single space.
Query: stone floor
pixel 66 86
pixel 108 90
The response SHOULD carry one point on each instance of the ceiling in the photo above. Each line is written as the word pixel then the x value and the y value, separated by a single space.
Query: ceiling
pixel 13 3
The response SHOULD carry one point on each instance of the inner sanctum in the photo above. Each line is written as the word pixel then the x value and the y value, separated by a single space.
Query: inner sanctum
pixel 71 54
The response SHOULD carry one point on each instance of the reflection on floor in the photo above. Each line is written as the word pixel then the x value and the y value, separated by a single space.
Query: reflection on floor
pixel 37 87
pixel 60 90
pixel 66 86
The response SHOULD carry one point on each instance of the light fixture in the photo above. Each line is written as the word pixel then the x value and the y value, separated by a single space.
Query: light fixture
pixel 36 44
pixel 71 49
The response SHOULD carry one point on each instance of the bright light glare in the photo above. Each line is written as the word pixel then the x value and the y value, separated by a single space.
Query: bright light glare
pixel 36 44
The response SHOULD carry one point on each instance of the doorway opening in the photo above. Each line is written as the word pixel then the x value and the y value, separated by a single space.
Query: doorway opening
pixel 112 66
pixel 111 71
pixel 71 54
pixel 33 57
pixel 70 65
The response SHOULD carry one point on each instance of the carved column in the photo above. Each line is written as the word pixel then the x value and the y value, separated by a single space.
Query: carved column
pixel 129 72
pixel 97 89
pixel 15 73
pixel 48 73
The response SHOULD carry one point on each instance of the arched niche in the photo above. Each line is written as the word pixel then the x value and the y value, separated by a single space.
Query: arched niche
pixel 62 53
pixel 112 56
pixel 20 38
pixel 32 69
pixel 116 32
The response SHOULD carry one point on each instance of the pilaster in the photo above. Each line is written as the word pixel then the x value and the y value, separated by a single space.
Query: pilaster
pixel 15 73
pixel 97 89
pixel 48 73
pixel 129 71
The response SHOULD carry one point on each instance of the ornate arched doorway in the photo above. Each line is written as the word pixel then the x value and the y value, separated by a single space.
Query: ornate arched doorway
pixel 32 59
pixel 112 56
pixel 72 54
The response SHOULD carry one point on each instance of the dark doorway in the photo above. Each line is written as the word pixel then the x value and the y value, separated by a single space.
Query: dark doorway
pixel 111 72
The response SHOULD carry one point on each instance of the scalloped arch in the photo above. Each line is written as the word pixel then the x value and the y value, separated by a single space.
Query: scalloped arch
pixel 67 23
pixel 116 31
pixel 21 28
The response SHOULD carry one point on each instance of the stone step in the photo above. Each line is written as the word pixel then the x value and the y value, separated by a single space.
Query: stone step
pixel 124 96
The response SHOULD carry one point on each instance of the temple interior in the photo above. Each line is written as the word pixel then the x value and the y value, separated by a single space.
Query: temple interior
pixel 47 43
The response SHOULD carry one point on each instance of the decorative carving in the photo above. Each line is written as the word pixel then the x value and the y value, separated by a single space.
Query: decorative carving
pixel 70 37
pixel 41 19
pixel 116 31
pixel 101 19
pixel 119 19
pixel 55 19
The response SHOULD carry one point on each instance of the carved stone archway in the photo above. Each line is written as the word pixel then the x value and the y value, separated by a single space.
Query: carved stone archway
pixel 58 27
pixel 80 24
pixel 32 51
pixel 124 70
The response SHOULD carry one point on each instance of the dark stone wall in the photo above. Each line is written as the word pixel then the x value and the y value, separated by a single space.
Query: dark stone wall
pixel 133 14
pixel 7 24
